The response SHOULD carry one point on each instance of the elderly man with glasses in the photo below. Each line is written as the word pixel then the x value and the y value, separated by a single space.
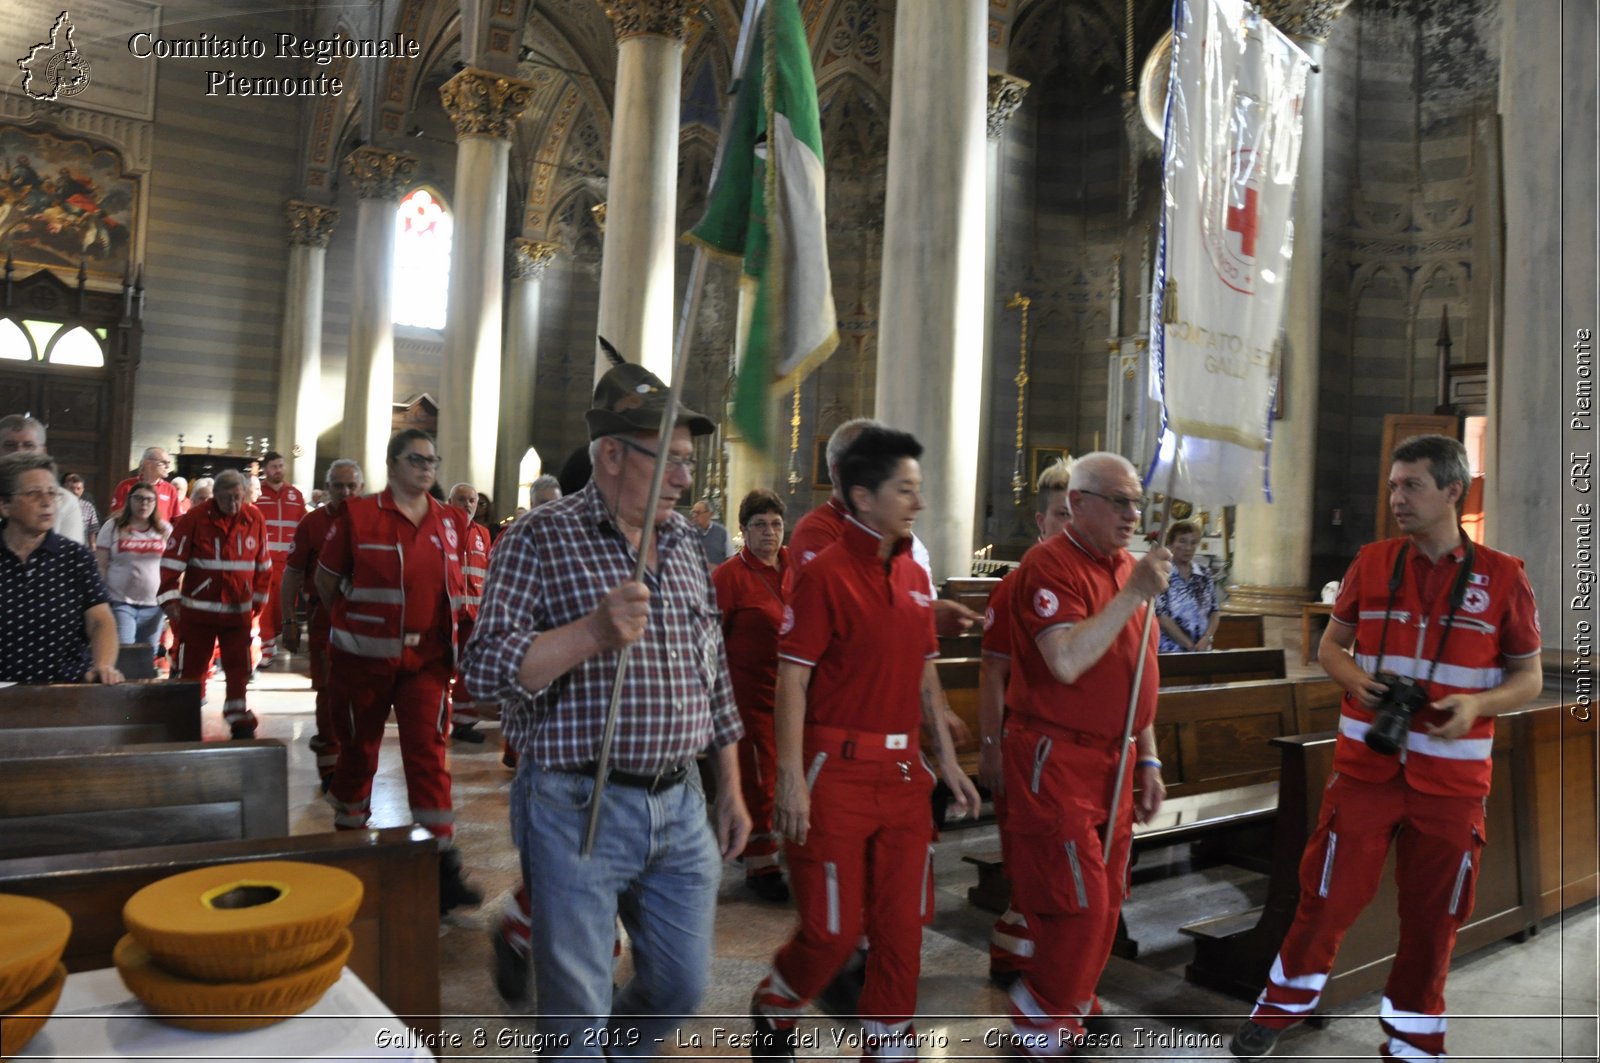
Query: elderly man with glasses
pixel 559 605
pixel 22 434
pixel 55 623
pixel 153 470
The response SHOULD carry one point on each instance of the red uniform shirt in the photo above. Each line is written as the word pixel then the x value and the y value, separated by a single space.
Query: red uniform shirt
pixel 216 565
pixel 865 628
pixel 1059 583
pixel 1498 620
pixel 283 507
pixel 750 595
pixel 815 532
pixel 166 498
pixel 475 547
pixel 307 545
pixel 997 618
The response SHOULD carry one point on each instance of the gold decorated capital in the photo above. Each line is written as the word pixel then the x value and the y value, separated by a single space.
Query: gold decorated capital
pixel 598 213
pixel 1005 96
pixel 1304 20
pixel 530 258
pixel 310 224
pixel 650 18
pixel 483 103
pixel 380 174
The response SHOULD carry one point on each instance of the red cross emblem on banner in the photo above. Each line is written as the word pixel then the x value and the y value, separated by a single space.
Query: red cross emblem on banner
pixel 1242 220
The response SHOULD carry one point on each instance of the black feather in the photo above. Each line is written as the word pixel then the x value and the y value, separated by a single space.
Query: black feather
pixel 611 352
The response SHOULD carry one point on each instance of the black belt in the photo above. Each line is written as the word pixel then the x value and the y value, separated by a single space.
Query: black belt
pixel 665 779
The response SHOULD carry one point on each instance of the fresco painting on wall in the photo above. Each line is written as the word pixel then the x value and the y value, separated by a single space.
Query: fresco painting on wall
pixel 64 202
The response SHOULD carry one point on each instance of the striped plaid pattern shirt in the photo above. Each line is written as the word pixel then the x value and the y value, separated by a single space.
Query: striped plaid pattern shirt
pixel 551 568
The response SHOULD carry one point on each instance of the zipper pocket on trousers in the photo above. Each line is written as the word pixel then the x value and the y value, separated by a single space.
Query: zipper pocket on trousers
pixel 1327 864
pixel 927 884
pixel 1041 754
pixel 1461 881
pixel 831 871
pixel 1077 874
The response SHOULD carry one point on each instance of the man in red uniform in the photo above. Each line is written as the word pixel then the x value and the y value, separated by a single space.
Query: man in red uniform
pixel 153 468
pixel 853 788
pixel 283 507
pixel 390 570
pixel 1077 612
pixel 1458 620
pixel 344 481
pixel 213 582
pixel 474 567
pixel 1011 940
pixel 750 594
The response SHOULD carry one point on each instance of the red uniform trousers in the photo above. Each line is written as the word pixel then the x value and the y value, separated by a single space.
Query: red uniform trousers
pixel 864 814
pixel 1437 843
pixel 199 633
pixel 1058 790
pixel 758 775
pixel 463 710
pixel 272 616
pixel 365 691
pixel 325 743
pixel 1011 937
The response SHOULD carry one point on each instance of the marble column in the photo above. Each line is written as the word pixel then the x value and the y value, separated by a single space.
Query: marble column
pixel 485 108
pixel 1272 550
pixel 1006 92
pixel 931 308
pixel 636 265
pixel 519 367
pixel 379 178
pixel 301 415
pixel 1542 434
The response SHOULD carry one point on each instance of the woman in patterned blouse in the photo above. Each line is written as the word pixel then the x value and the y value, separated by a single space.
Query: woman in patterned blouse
pixel 1187 609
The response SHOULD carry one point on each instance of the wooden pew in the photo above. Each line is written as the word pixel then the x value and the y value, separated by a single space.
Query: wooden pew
pixel 959 677
pixel 1521 876
pixel 1210 667
pixel 142 795
pixel 1240 631
pixel 396 936
pixel 71 717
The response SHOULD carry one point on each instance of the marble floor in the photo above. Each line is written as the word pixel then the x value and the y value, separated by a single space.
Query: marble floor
pixel 1531 1001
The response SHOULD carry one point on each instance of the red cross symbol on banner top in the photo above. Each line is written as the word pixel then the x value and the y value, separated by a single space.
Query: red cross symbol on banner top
pixel 1242 220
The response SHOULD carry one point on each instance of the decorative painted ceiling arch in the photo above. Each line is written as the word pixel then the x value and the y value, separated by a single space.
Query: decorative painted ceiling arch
pixel 1083 36
pixel 853 36
pixel 546 175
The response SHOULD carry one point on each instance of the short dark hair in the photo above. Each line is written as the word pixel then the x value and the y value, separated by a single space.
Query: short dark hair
pixel 758 502
pixel 270 456
pixel 1445 456
pixel 872 458
pixel 1181 527
pixel 399 441
pixel 71 478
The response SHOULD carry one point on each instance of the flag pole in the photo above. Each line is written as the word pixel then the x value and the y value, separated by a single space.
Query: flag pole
pixel 669 417
pixel 1138 670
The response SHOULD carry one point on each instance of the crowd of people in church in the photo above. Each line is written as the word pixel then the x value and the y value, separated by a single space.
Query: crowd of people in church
pixel 780 706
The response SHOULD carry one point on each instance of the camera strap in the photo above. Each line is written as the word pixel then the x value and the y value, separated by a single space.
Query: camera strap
pixel 1458 591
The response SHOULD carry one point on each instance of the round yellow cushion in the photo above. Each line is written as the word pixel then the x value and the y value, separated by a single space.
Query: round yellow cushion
pixel 27 1016
pixel 243 922
pixel 225 1006
pixel 33 935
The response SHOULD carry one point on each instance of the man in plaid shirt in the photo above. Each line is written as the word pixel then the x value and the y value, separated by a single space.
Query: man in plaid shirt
pixel 558 605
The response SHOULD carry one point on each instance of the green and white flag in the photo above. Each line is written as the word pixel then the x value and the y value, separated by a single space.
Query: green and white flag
pixel 766 208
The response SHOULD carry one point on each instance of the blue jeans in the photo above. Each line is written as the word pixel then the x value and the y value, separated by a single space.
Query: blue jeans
pixel 137 624
pixel 655 863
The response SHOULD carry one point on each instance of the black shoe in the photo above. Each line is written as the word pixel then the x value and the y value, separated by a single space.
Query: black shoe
pixel 768 887
pixel 1003 977
pixel 770 1042
pixel 509 759
pixel 511 971
pixel 453 889
pixel 842 996
pixel 464 732
pixel 1253 1041
pixel 242 732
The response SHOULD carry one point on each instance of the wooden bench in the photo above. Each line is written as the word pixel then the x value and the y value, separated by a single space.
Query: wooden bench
pixel 1524 874
pixel 396 935
pixel 142 795
pixel 1240 631
pixel 71 717
pixel 1210 667
pixel 959 677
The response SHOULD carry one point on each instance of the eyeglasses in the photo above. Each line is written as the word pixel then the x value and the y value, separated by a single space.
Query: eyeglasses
pixel 143 498
pixel 41 494
pixel 424 461
pixel 165 463
pixel 766 525
pixel 688 465
pixel 1127 505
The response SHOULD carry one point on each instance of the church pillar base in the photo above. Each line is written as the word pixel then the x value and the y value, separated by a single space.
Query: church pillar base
pixel 1268 601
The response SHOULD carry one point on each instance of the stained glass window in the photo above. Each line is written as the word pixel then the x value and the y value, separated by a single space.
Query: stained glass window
pixel 424 231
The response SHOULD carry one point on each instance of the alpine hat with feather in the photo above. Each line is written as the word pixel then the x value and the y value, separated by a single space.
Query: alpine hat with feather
pixel 629 398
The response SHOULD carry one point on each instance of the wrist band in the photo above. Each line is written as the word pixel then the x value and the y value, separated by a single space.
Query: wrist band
pixel 1147 762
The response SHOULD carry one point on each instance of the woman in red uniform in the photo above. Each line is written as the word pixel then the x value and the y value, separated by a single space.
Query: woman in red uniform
pixel 750 595
pixel 854 653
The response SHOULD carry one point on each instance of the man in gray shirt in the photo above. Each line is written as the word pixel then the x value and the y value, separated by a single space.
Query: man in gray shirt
pixel 713 536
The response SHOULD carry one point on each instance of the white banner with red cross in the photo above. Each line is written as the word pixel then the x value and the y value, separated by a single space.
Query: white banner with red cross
pixel 1232 150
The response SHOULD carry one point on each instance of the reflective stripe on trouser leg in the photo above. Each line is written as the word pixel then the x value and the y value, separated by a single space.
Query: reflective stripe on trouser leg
pixel 234 644
pixel 1010 942
pixel 362 699
pixel 1411 1034
pixel 757 752
pixel 420 707
pixel 777 1001
pixel 350 815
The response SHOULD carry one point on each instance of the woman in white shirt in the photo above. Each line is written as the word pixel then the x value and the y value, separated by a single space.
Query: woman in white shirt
pixel 129 550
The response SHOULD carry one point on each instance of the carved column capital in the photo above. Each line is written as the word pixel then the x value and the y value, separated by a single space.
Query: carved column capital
pixel 380 174
pixel 1005 96
pixel 481 102
pixel 650 18
pixel 529 258
pixel 310 224
pixel 1304 20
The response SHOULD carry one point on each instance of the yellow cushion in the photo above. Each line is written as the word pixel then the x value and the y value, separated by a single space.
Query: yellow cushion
pixel 24 1019
pixel 225 1006
pixel 33 935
